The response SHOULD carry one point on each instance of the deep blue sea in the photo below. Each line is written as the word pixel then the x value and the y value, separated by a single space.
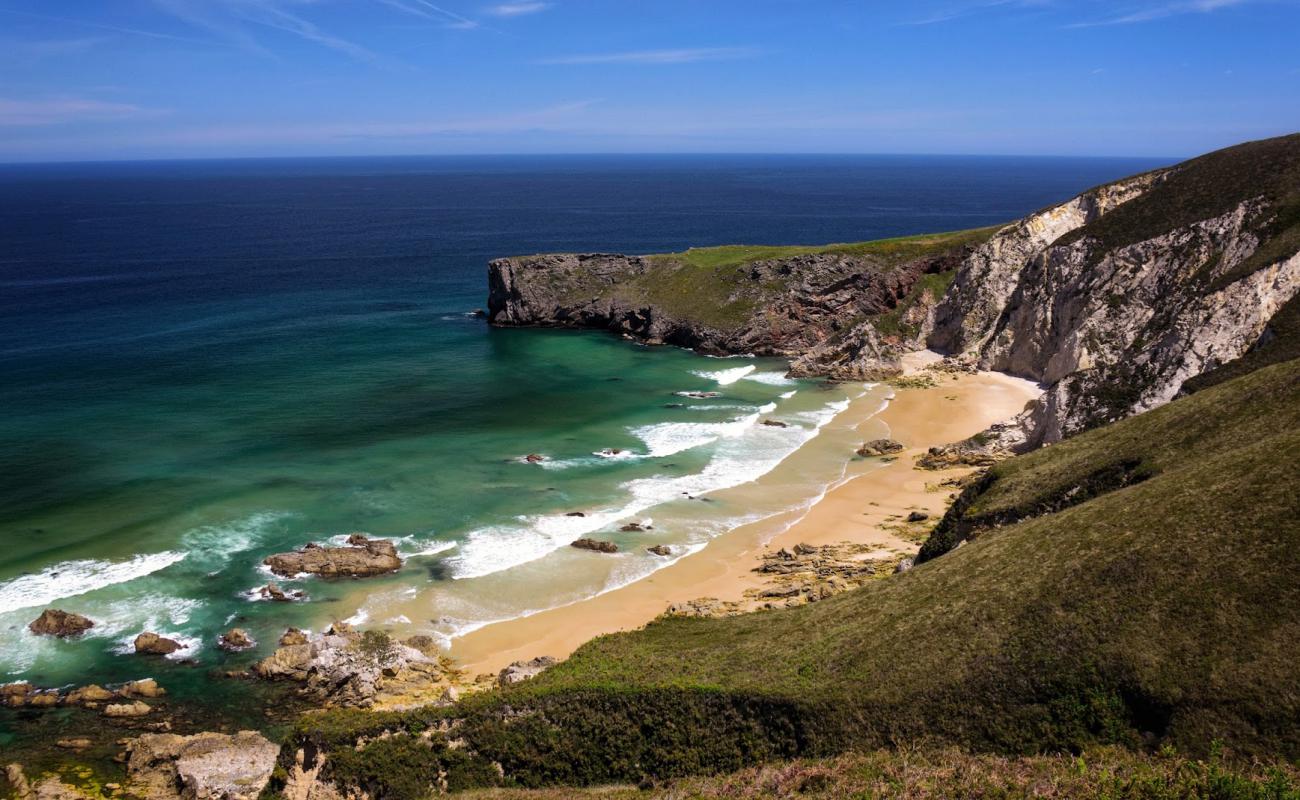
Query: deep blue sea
pixel 205 362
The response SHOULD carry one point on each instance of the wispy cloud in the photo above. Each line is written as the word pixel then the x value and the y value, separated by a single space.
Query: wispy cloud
pixel 43 48
pixel 956 12
pixel 23 113
pixel 427 10
pixel 516 9
pixel 1158 11
pixel 227 18
pixel 679 56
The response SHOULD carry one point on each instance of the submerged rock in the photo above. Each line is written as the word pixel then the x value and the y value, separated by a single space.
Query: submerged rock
pixel 636 527
pixel 206 766
pixel 775 423
pixel 660 550
pixel 360 558
pixel 56 622
pixel 521 671
pixel 597 545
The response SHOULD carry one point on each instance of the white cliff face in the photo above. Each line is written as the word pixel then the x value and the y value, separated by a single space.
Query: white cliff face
pixel 969 312
pixel 1114 333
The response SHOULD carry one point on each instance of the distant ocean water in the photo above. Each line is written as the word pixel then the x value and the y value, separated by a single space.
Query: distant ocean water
pixel 205 362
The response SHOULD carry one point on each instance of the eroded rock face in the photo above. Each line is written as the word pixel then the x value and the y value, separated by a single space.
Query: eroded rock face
pixel 1109 332
pixel 802 307
pixel 347 668
pixel 206 766
pixel 236 639
pixel 362 557
pixel 56 622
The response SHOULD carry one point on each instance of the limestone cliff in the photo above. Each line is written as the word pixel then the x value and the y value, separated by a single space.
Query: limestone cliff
pixel 1116 298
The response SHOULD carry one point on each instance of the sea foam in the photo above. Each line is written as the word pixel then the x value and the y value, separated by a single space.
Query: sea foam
pixel 726 377
pixel 73 578
pixel 744 452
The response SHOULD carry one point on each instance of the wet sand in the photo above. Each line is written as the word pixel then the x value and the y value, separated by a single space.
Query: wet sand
pixel 861 510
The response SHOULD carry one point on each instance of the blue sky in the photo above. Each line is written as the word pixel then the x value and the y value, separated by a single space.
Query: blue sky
pixel 114 79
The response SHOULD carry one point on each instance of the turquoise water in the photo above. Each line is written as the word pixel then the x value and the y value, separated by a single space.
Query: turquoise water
pixel 207 363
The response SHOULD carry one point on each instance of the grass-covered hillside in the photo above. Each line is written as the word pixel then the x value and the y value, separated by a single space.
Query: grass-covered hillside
pixel 1155 605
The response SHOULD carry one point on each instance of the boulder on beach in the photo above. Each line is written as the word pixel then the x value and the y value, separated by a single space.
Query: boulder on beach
pixel 361 557
pixel 879 447
pixel 149 643
pixel 917 516
pixel 595 544
pixel 235 639
pixel 56 622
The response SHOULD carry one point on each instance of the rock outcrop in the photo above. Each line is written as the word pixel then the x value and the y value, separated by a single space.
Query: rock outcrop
pixel 150 643
pixel 206 766
pixel 59 623
pixel 520 671
pixel 596 545
pixel 1116 298
pixel 362 557
pixel 807 307
pixel 347 668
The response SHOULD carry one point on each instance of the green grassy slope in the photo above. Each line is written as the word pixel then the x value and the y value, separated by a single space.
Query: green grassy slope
pixel 1165 610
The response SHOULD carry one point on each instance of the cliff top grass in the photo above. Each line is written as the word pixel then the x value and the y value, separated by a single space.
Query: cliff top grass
pixel 1208 187
pixel 708 284
pixel 1160 612
pixel 890 252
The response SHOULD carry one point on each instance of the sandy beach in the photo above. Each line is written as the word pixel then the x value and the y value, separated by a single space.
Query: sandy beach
pixel 860 510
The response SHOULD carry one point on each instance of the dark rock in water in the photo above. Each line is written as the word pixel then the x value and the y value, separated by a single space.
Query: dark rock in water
pixel 534 458
pixel 879 447
pixel 292 637
pixel 596 545
pixel 660 550
pixel 674 405
pixel 610 452
pixel 55 622
pixel 699 395
pixel 235 639
pixel 575 514
pixel 273 592
pixel 775 423
pixel 917 516
pixel 523 670
pixel 361 558
pixel 478 313
pixel 636 527
pixel 150 643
